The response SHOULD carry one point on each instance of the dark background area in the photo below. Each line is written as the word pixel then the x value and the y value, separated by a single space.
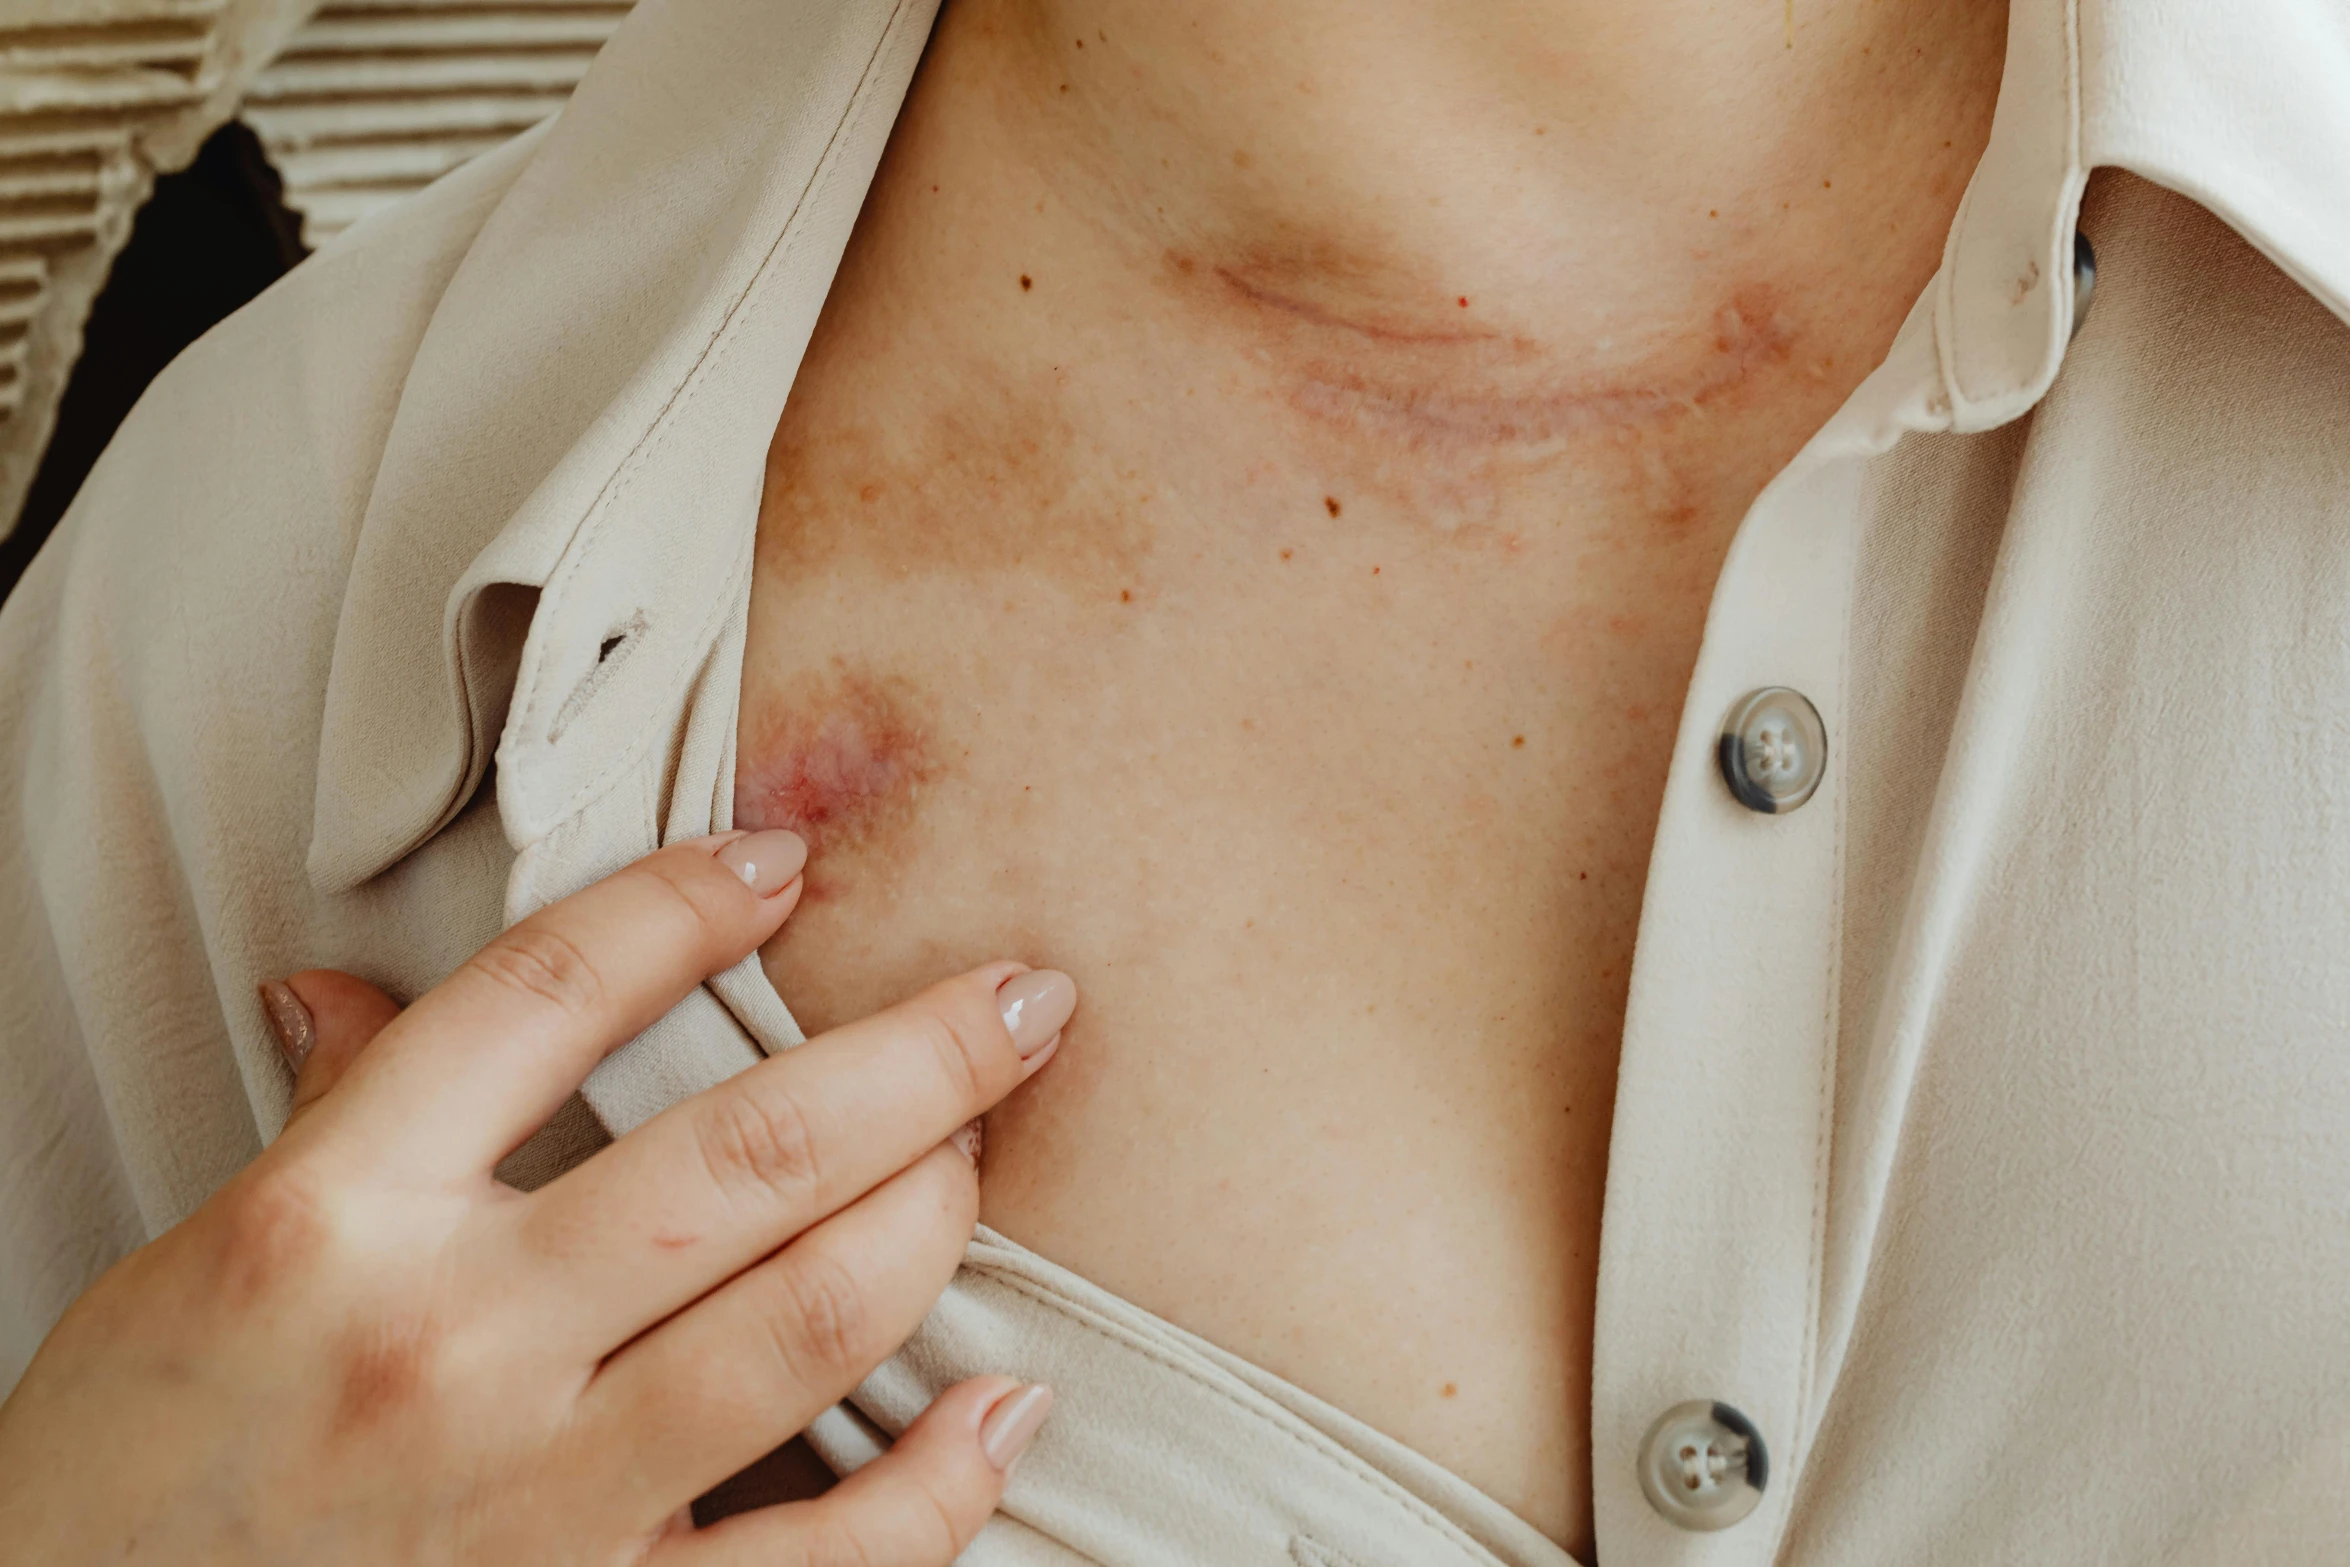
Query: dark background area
pixel 210 238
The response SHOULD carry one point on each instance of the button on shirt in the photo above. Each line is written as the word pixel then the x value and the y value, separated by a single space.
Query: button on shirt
pixel 1982 1134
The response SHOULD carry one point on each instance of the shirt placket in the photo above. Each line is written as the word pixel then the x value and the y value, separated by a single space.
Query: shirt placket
pixel 1709 1267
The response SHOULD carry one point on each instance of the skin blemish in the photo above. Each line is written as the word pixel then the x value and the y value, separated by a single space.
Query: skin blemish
pixel 1330 504
pixel 1464 301
pixel 1393 379
pixel 1125 595
pixel 840 756
pixel 1452 1390
pixel 1285 554
pixel 1517 742
pixel 995 482
pixel 384 1372
pixel 1026 282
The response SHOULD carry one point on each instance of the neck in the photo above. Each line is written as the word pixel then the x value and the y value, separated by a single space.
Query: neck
pixel 1581 171
pixel 1575 259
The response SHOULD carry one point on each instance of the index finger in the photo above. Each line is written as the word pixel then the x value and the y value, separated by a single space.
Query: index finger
pixel 713 1184
pixel 485 1057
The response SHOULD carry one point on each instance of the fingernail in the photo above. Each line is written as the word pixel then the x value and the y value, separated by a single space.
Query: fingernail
pixel 766 861
pixel 1035 1005
pixel 969 1137
pixel 296 1030
pixel 1009 1427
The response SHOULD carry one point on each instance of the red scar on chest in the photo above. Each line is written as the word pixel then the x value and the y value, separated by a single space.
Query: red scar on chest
pixel 840 757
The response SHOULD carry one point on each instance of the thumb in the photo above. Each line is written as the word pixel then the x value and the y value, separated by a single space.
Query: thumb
pixel 323 1018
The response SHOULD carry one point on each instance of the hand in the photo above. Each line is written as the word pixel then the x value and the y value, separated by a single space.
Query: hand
pixel 366 1349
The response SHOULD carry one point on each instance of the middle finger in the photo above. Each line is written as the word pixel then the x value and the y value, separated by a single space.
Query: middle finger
pixel 712 1185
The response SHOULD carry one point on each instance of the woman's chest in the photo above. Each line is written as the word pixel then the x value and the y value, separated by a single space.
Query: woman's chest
pixel 1341 831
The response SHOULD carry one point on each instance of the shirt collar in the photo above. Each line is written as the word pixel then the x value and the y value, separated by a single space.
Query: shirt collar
pixel 664 249
pixel 566 500
pixel 2241 105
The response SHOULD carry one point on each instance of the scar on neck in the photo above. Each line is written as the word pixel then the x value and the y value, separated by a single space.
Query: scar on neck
pixel 840 756
pixel 1389 372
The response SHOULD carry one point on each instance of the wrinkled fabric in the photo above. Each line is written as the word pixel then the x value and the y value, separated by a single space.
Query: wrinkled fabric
pixel 1983 1127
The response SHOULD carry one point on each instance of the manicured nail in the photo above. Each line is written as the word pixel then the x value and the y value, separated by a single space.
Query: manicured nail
pixel 1009 1427
pixel 1035 1005
pixel 296 1030
pixel 766 861
pixel 969 1137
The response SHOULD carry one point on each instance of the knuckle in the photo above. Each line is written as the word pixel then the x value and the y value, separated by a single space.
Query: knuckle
pixel 962 1041
pixel 826 1322
pixel 274 1228
pixel 837 1541
pixel 761 1141
pixel 706 895
pixel 936 1517
pixel 543 964
pixel 923 1529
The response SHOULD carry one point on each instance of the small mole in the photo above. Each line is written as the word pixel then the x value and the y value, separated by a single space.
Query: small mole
pixel 1452 1390
pixel 1540 129
pixel 1714 212
pixel 1026 282
pixel 1241 160
pixel 1464 301
pixel 1064 87
pixel 1125 595
pixel 1582 875
pixel 1285 554
pixel 1827 184
pixel 1374 571
pixel 1330 504
pixel 934 190
pixel 1080 43
pixel 1517 742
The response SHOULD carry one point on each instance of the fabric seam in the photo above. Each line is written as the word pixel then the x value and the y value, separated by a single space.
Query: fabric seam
pixel 1286 1424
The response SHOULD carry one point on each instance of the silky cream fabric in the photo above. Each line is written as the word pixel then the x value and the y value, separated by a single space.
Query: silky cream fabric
pixel 1983 1129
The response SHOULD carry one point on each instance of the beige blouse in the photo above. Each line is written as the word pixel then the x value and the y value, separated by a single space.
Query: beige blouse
pixel 1982 1141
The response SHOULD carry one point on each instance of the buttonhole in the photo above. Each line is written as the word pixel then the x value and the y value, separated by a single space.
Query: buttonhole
pixel 617 644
